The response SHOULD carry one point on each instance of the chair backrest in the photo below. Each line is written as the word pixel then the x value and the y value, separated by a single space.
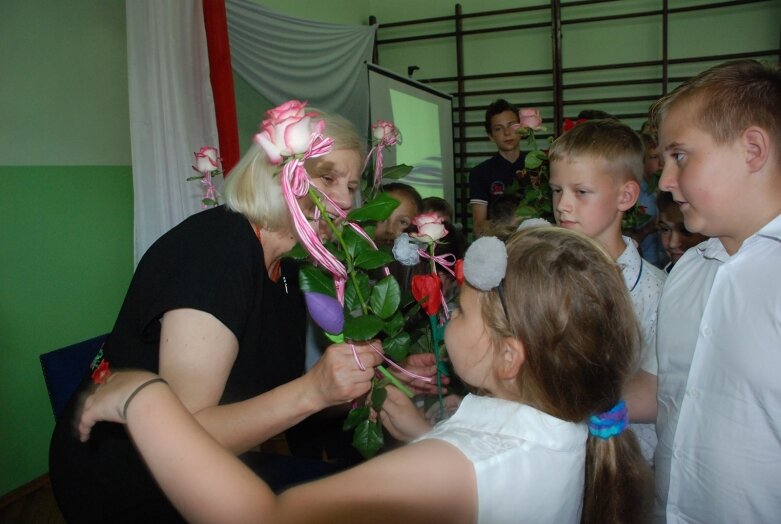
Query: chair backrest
pixel 65 368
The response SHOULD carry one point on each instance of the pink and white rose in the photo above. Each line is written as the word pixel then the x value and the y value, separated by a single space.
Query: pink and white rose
pixel 530 117
pixel 207 160
pixel 384 131
pixel 287 131
pixel 430 227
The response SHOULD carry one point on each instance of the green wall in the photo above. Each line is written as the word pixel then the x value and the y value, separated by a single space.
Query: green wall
pixel 66 205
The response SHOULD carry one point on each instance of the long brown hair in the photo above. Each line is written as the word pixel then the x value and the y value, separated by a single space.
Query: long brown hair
pixel 568 305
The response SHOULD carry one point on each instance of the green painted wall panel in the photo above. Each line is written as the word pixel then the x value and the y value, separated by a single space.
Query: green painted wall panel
pixel 64 96
pixel 66 261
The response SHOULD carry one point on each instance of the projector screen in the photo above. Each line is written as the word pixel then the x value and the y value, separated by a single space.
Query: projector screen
pixel 424 116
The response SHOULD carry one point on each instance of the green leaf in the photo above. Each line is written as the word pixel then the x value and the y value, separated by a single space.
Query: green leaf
pixel 394 324
pixel 355 416
pixel 351 300
pixel 336 339
pixel 196 177
pixel 534 159
pixel 373 259
pixel 297 253
pixel 396 172
pixel 397 347
pixel 378 397
pixel 421 345
pixel 335 249
pixel 527 212
pixel 317 280
pixel 378 209
pixel 209 202
pixel 362 328
pixel 530 195
pixel 355 243
pixel 368 438
pixel 385 297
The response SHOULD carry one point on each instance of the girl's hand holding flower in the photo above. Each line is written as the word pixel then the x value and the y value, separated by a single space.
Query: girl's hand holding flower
pixel 401 417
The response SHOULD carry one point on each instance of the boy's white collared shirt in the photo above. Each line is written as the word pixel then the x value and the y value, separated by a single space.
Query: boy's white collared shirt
pixel 644 282
pixel 719 351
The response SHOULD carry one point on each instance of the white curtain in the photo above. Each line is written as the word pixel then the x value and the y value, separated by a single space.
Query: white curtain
pixel 283 58
pixel 171 112
pixel 171 103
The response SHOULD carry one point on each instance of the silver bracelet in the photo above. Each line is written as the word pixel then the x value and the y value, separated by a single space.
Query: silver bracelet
pixel 139 388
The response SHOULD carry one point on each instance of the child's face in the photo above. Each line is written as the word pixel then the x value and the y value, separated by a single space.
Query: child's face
pixel 467 341
pixel 704 177
pixel 673 234
pixel 502 132
pixel 400 219
pixel 651 161
pixel 588 199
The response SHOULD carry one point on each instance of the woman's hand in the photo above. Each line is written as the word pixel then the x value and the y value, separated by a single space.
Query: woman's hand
pixel 106 402
pixel 423 364
pixel 401 417
pixel 338 378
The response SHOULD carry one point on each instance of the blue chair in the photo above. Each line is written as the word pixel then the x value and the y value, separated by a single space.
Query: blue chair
pixel 64 369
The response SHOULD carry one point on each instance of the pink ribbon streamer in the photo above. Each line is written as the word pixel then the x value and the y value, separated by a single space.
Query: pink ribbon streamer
pixel 444 261
pixel 395 366
pixel 391 363
pixel 295 184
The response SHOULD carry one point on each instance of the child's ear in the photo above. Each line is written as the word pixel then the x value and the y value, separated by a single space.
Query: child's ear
pixel 628 195
pixel 756 142
pixel 511 358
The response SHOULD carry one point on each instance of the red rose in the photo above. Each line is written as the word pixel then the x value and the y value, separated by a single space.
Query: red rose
pixel 427 289
pixel 569 123
pixel 459 270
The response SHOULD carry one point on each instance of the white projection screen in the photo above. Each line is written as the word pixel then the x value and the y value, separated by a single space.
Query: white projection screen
pixel 425 118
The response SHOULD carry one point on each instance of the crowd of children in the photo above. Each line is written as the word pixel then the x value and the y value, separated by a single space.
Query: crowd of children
pixel 582 342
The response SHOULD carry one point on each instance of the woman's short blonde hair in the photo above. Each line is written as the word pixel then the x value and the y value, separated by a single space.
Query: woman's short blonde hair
pixel 252 187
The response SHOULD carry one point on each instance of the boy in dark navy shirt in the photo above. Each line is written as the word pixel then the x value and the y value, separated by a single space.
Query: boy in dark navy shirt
pixel 491 178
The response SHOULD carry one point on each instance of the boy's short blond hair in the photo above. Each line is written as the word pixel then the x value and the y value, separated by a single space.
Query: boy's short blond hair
pixel 617 144
pixel 729 98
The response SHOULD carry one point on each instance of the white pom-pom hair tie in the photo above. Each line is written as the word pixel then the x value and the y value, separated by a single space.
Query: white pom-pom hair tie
pixel 485 263
pixel 533 222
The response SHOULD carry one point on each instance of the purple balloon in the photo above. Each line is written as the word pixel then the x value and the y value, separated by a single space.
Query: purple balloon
pixel 325 311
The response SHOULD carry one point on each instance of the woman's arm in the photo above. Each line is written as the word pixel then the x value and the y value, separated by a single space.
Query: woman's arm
pixel 429 481
pixel 197 352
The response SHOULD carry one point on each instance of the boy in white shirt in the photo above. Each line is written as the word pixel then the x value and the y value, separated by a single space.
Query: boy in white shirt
pixel 719 334
pixel 596 169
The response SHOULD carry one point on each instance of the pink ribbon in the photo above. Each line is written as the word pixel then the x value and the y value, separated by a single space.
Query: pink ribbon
pixel 444 261
pixel 397 367
pixel 390 363
pixel 295 184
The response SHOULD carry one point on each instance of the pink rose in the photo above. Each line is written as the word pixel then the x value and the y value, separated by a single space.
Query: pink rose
pixel 430 227
pixel 382 130
pixel 530 117
pixel 206 160
pixel 286 131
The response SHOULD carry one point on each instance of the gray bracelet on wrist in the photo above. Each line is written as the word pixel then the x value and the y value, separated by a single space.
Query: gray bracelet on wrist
pixel 139 388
